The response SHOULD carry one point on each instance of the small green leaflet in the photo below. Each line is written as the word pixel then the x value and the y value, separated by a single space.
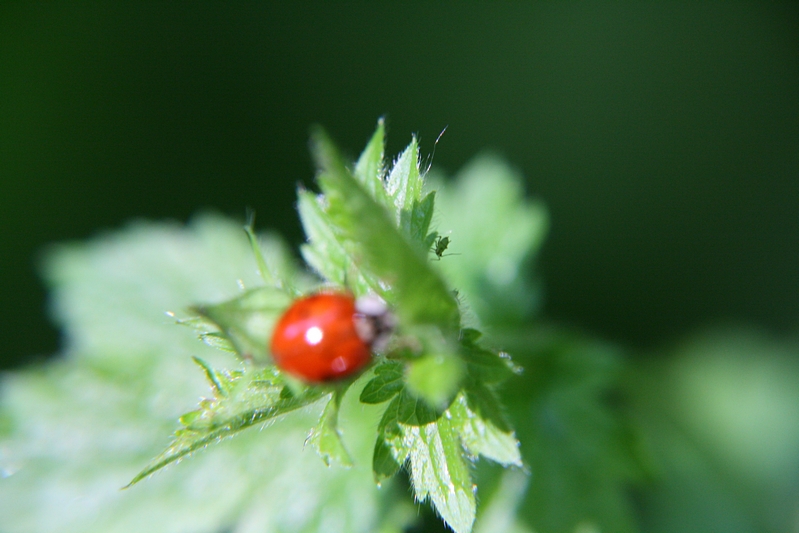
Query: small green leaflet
pixel 325 437
pixel 263 268
pixel 483 431
pixel 369 168
pixel 241 399
pixel 386 383
pixel 247 320
pixel 421 217
pixel 404 186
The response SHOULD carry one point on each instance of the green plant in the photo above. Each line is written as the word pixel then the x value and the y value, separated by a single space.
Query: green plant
pixel 434 386
pixel 454 262
pixel 428 403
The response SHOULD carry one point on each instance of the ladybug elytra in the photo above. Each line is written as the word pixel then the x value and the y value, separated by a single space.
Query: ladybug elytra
pixel 325 336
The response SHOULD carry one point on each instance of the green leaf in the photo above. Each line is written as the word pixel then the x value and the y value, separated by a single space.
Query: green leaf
pixel 87 421
pixel 433 444
pixel 482 429
pixel 437 443
pixel 369 168
pixel 435 378
pixel 247 320
pixel 263 269
pixel 388 381
pixel 421 216
pixel 485 365
pixel 385 461
pixel 326 438
pixel 484 401
pixel 414 411
pixel 325 251
pixel 440 471
pixel 495 234
pixel 405 184
pixel 244 399
pixel 576 443
pixel 408 283
pixel 208 332
pixel 391 450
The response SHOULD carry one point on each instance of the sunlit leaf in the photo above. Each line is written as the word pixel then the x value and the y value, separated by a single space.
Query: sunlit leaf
pixel 404 186
pixel 72 432
pixel 439 471
pixel 325 251
pixel 247 320
pixel 481 434
pixel 245 399
pixel 326 438
pixel 369 167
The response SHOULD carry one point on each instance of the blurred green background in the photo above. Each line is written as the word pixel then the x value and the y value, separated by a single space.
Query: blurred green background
pixel 663 138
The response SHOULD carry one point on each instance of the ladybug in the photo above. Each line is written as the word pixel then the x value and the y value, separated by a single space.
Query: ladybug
pixel 329 335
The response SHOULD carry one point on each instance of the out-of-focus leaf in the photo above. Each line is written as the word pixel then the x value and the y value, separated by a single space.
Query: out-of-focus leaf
pixel 576 443
pixel 267 274
pixel 435 378
pixel 209 333
pixel 325 251
pixel 247 320
pixel 495 234
pixel 482 430
pixel 484 365
pixel 326 438
pixel 243 399
pixel 718 423
pixel 74 431
pixel 499 512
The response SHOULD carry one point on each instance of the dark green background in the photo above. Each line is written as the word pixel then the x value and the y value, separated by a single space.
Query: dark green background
pixel 665 139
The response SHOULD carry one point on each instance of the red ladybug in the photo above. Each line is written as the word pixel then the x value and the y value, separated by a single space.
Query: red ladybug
pixel 324 337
